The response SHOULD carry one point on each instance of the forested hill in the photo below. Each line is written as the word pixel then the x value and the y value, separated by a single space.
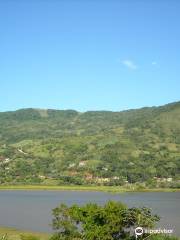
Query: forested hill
pixel 95 146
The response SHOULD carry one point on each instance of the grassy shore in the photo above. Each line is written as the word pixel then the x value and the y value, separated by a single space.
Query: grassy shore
pixel 114 189
pixel 14 234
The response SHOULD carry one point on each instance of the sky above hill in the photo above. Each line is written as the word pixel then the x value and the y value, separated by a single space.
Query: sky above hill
pixel 89 55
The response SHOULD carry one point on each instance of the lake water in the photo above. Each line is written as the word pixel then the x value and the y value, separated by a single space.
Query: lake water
pixel 31 210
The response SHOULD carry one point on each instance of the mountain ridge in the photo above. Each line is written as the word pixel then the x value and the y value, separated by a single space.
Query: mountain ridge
pixel 103 110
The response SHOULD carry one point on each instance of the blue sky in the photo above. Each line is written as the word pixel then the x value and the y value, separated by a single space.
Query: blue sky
pixel 89 55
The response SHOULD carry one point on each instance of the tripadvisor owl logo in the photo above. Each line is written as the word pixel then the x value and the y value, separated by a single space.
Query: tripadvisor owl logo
pixel 138 231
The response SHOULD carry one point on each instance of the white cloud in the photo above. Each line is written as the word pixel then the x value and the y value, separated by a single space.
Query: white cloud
pixel 130 64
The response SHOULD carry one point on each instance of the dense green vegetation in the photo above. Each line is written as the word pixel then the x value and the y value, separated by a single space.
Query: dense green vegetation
pixel 113 221
pixel 58 147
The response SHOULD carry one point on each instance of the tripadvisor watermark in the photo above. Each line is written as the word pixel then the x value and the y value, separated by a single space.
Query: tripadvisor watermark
pixel 140 231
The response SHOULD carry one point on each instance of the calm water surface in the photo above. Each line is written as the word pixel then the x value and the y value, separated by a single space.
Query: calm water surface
pixel 31 210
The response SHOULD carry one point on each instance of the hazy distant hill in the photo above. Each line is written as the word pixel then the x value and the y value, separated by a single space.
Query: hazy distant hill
pixel 133 145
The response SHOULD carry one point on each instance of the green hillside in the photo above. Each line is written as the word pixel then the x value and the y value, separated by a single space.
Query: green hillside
pixel 95 147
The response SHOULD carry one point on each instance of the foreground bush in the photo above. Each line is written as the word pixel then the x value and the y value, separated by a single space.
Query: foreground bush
pixel 112 221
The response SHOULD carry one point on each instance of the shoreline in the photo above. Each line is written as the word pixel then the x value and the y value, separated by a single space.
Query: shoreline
pixel 113 189
pixel 15 234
